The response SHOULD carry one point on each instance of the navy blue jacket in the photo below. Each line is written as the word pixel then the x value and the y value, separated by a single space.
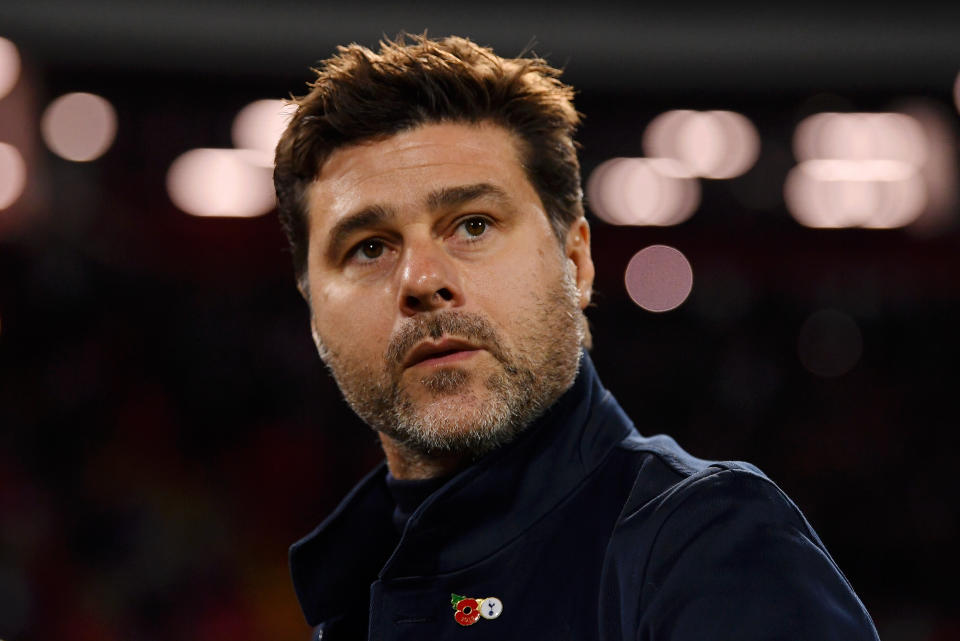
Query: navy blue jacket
pixel 583 529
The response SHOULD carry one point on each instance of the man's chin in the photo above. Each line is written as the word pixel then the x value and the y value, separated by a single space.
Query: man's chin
pixel 450 411
pixel 445 381
pixel 462 421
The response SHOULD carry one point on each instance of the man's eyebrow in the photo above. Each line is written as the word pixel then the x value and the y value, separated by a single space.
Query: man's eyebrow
pixel 443 198
pixel 367 217
pixel 447 197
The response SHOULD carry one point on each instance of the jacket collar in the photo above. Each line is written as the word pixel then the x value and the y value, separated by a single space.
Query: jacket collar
pixel 477 512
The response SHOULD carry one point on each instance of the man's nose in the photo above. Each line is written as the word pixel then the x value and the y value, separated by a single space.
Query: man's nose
pixel 429 279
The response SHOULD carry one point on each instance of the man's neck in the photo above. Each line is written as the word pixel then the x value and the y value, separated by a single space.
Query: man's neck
pixel 406 464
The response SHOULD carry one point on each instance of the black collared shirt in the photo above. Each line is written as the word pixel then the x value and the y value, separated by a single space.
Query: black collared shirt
pixel 409 494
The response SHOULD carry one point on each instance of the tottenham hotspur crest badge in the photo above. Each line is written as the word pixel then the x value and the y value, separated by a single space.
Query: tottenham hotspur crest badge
pixel 469 611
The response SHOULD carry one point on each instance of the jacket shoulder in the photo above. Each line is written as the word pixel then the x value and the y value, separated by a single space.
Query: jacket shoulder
pixel 665 470
pixel 708 549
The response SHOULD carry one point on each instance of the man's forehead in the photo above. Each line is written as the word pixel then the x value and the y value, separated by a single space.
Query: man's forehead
pixel 435 143
pixel 413 163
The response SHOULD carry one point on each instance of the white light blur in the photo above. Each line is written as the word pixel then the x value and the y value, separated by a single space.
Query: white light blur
pixel 643 191
pixel 712 144
pixel 13 175
pixel 829 344
pixel 860 136
pixel 259 125
pixel 873 170
pixel 9 66
pixel 220 182
pixel 659 278
pixel 79 126
pixel 858 170
pixel 848 193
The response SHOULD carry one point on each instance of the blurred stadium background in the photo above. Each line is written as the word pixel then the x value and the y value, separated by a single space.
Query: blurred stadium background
pixel 773 193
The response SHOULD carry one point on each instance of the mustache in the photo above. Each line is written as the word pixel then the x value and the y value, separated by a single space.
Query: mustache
pixel 468 326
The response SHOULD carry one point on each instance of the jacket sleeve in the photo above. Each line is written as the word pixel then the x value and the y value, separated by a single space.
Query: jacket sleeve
pixel 726 556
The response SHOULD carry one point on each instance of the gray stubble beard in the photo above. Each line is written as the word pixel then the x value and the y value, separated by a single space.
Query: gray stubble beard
pixel 520 391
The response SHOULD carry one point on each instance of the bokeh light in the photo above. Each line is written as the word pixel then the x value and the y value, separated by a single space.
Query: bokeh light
pixel 830 343
pixel 659 278
pixel 13 175
pixel 858 170
pixel 221 182
pixel 79 126
pixel 873 194
pixel 9 66
pixel 860 136
pixel 711 144
pixel 643 191
pixel 259 125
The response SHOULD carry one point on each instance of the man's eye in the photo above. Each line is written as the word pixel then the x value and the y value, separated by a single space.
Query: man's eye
pixel 369 249
pixel 475 226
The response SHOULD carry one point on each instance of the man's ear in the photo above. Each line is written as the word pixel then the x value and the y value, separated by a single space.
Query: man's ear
pixel 303 286
pixel 314 333
pixel 577 250
pixel 322 350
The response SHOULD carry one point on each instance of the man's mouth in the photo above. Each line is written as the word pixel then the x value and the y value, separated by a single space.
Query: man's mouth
pixel 442 352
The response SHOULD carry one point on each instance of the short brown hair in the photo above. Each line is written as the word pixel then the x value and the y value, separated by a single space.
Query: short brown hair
pixel 360 95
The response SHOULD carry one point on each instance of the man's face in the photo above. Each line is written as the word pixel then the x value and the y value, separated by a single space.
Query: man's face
pixel 441 300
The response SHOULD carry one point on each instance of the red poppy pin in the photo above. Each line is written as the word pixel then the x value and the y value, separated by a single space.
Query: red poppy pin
pixel 469 611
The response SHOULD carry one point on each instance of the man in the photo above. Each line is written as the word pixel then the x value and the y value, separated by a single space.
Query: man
pixel 431 194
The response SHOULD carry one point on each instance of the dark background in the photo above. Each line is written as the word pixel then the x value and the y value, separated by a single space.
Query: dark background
pixel 166 429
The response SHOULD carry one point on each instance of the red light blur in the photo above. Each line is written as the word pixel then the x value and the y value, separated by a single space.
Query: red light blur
pixel 659 278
